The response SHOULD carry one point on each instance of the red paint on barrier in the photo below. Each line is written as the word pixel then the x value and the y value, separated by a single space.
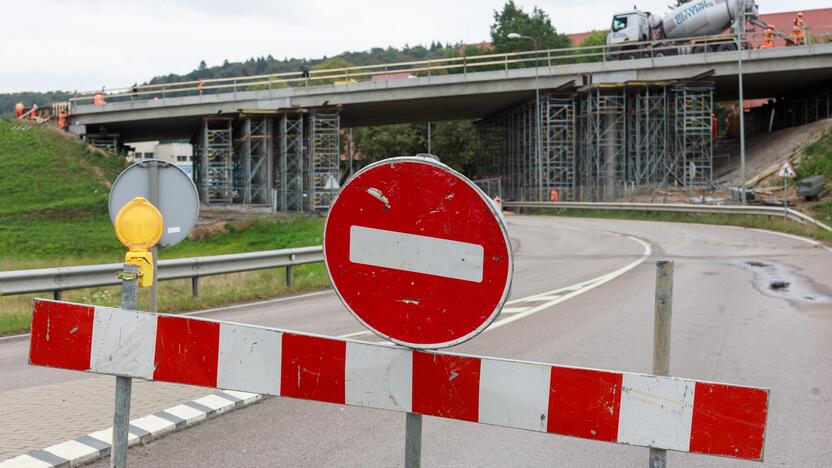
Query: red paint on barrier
pixel 61 335
pixel 186 351
pixel 313 368
pixel 584 403
pixel 728 420
pixel 446 386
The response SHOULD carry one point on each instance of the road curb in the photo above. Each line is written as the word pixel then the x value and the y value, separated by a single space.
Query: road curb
pixel 90 447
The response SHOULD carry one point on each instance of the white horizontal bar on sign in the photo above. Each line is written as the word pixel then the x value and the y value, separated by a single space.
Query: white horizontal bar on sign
pixel 418 254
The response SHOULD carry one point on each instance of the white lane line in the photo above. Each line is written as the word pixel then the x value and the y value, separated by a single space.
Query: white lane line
pixel 543 298
pixel 514 310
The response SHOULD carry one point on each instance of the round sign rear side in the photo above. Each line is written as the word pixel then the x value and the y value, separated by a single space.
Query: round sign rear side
pixel 417 253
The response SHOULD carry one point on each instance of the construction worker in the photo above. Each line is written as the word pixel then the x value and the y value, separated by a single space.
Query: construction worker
pixel 19 109
pixel 554 195
pixel 62 119
pixel 798 20
pixel 201 86
pixel 33 114
pixel 714 125
pixel 98 99
pixel 768 37
pixel 797 36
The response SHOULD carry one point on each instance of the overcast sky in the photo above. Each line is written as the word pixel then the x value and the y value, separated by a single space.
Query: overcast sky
pixel 86 44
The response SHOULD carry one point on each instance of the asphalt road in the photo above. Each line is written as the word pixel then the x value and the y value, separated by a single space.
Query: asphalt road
pixel 728 326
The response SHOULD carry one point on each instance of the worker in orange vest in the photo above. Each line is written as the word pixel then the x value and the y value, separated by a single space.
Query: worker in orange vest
pixel 554 195
pixel 98 99
pixel 33 114
pixel 201 86
pixel 714 125
pixel 798 20
pixel 62 119
pixel 797 36
pixel 19 109
pixel 768 36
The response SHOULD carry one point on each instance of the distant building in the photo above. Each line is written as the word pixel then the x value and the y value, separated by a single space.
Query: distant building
pixel 175 152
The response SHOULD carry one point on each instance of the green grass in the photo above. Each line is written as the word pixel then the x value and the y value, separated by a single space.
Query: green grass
pixel 758 222
pixel 817 160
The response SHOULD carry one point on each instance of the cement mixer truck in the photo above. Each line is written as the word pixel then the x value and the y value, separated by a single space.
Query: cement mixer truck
pixel 690 28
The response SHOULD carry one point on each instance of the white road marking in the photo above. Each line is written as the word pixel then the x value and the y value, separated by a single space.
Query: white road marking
pixel 543 298
pixel 514 310
pixel 418 254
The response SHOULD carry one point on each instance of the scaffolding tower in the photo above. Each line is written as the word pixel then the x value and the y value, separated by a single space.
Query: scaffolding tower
pixel 324 157
pixel 215 176
pixel 252 184
pixel 289 168
pixel 693 141
pixel 600 141
pixel 602 160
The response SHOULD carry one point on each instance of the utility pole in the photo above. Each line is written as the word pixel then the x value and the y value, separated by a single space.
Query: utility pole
pixel 740 30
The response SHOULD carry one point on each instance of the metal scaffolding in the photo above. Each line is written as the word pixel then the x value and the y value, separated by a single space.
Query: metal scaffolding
pixel 215 174
pixel 324 155
pixel 252 174
pixel 289 168
pixel 693 142
pixel 599 141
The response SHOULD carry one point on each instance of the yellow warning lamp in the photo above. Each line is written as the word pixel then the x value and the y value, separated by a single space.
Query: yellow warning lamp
pixel 139 227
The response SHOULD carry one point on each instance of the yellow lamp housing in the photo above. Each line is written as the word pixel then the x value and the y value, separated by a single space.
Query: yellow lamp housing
pixel 139 227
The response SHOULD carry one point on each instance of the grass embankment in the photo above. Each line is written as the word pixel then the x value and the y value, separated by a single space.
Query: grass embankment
pixel 817 160
pixel 748 221
pixel 53 212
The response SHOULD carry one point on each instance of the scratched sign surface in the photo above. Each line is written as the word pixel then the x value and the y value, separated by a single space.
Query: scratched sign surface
pixel 417 253
pixel 619 407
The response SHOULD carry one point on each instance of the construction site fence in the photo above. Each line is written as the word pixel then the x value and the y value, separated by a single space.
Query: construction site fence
pixel 774 211
pixel 442 66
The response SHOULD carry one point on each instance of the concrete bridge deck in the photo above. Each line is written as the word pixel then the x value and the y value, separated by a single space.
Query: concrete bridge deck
pixel 767 73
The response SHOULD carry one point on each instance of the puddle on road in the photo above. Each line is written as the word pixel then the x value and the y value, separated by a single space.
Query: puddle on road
pixel 778 280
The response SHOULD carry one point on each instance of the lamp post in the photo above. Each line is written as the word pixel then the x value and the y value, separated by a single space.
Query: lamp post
pixel 740 30
pixel 538 143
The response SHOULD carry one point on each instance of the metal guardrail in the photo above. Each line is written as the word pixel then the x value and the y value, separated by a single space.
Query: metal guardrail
pixel 787 213
pixel 90 276
pixel 440 66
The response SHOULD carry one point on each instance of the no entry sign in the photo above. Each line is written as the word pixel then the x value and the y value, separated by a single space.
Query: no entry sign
pixel 417 253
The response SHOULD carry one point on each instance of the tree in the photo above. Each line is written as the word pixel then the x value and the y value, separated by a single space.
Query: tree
pixel 595 38
pixel 512 19
pixel 202 65
pixel 333 63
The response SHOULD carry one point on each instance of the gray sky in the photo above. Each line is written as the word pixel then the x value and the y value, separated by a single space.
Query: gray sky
pixel 86 44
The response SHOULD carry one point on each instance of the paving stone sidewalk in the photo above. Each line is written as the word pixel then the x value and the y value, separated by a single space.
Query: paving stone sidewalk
pixel 37 417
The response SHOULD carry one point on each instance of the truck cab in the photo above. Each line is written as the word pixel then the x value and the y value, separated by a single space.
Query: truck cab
pixel 629 26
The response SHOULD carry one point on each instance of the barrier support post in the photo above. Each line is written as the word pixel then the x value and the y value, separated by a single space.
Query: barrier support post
pixel 661 338
pixel 121 414
pixel 289 276
pixel 195 286
pixel 413 441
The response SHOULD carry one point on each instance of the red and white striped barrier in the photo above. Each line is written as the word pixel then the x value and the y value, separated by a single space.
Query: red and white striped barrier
pixel 627 408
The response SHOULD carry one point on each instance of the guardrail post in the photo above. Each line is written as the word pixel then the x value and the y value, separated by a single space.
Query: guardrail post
pixel 661 338
pixel 288 276
pixel 195 286
pixel 413 441
pixel 121 413
pixel 57 294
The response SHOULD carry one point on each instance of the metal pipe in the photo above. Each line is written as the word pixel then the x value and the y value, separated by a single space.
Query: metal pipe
pixel 740 30
pixel 154 199
pixel 121 412
pixel 413 441
pixel 661 338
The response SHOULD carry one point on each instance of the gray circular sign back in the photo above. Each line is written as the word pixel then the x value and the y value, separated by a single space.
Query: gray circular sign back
pixel 178 197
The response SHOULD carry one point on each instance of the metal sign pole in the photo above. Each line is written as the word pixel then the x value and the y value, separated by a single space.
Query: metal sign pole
pixel 785 190
pixel 154 199
pixel 413 441
pixel 121 414
pixel 661 338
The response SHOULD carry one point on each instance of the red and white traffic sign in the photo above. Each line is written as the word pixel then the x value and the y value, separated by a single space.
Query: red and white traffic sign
pixel 417 253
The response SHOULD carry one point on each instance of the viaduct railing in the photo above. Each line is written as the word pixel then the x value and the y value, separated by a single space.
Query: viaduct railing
pixel 440 66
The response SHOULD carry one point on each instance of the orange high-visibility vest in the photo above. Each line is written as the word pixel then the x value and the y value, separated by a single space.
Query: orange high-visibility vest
pixel 19 110
pixel 62 120
pixel 33 114
pixel 98 100
pixel 553 195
